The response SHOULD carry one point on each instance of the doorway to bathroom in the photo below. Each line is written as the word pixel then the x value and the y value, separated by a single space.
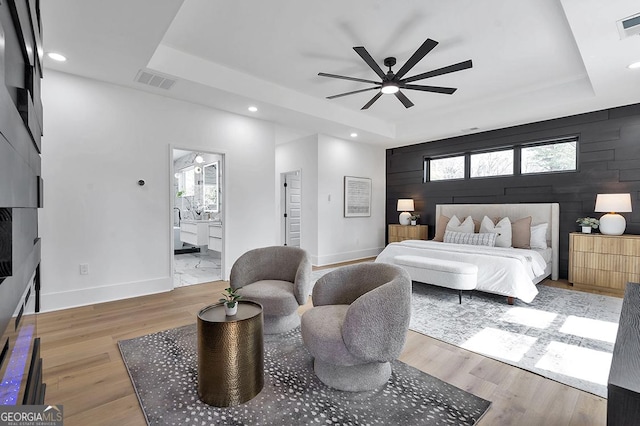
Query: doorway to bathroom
pixel 197 182
pixel 291 207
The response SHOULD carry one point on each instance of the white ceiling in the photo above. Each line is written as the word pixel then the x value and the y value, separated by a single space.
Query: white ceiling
pixel 532 59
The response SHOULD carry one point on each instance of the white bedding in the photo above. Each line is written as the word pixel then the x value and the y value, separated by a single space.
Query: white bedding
pixel 505 271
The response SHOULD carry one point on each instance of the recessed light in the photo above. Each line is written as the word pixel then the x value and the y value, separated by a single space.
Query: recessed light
pixel 253 109
pixel 354 135
pixel 56 56
pixel 634 66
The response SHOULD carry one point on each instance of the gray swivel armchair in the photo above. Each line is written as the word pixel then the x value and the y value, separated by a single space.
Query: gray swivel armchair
pixel 358 324
pixel 279 278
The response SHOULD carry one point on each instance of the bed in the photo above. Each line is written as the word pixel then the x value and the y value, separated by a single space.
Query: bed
pixel 511 272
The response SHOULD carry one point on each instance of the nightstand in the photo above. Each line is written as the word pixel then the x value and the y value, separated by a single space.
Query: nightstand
pixel 604 263
pixel 399 233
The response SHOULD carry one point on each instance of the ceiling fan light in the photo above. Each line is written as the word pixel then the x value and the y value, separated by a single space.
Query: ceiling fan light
pixel 389 88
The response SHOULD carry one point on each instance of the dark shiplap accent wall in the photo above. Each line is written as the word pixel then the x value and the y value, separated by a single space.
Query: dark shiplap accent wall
pixel 20 183
pixel 20 137
pixel 608 162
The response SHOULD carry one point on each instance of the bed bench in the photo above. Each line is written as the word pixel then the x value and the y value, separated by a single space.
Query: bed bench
pixel 444 273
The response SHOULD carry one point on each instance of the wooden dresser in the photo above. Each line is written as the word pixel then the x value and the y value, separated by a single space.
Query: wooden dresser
pixel 604 263
pixel 399 233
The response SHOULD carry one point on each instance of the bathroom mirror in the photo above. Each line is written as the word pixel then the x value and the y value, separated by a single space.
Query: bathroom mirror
pixel 210 182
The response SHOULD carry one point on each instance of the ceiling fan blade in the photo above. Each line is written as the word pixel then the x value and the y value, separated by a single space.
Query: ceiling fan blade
pixel 444 70
pixel 370 61
pixel 422 51
pixel 324 74
pixel 405 101
pixel 375 98
pixel 354 92
pixel 434 89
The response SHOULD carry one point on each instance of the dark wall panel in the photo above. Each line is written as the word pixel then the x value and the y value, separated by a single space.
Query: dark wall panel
pixel 19 147
pixel 20 165
pixel 608 162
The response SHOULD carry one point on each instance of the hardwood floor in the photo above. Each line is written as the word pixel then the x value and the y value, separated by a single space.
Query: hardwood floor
pixel 84 371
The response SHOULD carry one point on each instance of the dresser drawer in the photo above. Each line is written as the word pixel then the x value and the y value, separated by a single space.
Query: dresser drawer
pixel 603 263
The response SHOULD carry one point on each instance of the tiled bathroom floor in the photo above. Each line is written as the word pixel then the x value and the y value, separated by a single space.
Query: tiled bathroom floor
pixel 196 268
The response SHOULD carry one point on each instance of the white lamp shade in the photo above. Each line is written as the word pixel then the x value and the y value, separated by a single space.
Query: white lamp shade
pixel 405 205
pixel 613 203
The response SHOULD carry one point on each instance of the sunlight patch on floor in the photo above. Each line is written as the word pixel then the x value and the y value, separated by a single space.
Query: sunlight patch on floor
pixel 500 344
pixel 581 363
pixel 529 317
pixel 604 331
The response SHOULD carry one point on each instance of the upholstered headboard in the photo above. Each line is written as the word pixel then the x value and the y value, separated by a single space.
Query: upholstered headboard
pixel 539 212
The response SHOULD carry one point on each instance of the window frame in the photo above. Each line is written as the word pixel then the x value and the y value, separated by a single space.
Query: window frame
pixel 517 159
pixel 427 167
pixel 557 141
pixel 488 151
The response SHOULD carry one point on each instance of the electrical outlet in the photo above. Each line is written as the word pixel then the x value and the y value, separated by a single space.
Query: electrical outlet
pixel 84 269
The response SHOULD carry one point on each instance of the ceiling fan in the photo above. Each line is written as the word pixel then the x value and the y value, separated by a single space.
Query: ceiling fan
pixel 392 83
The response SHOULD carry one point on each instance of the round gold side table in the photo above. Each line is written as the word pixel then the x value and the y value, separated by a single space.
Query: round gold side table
pixel 230 354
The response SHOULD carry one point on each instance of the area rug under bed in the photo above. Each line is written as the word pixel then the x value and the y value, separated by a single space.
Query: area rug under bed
pixel 163 369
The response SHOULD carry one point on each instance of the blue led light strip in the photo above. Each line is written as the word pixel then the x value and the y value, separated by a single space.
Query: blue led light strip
pixel 10 385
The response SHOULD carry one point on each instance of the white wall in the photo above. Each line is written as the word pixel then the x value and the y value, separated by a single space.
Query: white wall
pixel 329 237
pixel 339 238
pixel 302 155
pixel 100 139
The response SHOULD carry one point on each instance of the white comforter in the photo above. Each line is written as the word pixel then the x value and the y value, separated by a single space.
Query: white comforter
pixel 506 271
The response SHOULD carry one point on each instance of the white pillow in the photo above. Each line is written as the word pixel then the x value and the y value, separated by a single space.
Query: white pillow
pixel 455 225
pixel 539 236
pixel 502 228
pixel 482 239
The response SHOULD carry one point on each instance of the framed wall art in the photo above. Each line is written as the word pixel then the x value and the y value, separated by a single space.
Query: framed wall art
pixel 357 196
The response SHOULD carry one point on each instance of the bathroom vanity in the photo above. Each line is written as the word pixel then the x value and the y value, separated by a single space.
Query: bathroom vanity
pixel 215 236
pixel 196 232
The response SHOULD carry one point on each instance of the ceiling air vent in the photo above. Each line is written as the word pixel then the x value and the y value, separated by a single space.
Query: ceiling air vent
pixel 154 79
pixel 629 26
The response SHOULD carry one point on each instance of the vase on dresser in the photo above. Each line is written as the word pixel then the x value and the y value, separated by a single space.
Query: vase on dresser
pixel 586 229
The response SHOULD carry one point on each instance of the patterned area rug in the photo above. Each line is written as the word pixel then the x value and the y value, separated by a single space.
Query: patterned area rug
pixel 564 335
pixel 163 369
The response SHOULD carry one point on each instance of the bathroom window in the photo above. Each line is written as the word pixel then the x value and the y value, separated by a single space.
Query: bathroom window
pixel 211 190
pixel 189 183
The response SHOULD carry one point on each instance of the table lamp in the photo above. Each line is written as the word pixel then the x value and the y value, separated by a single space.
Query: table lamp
pixel 405 206
pixel 613 223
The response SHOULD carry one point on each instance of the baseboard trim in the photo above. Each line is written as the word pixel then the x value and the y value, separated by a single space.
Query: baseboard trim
pixel 331 259
pixel 89 296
